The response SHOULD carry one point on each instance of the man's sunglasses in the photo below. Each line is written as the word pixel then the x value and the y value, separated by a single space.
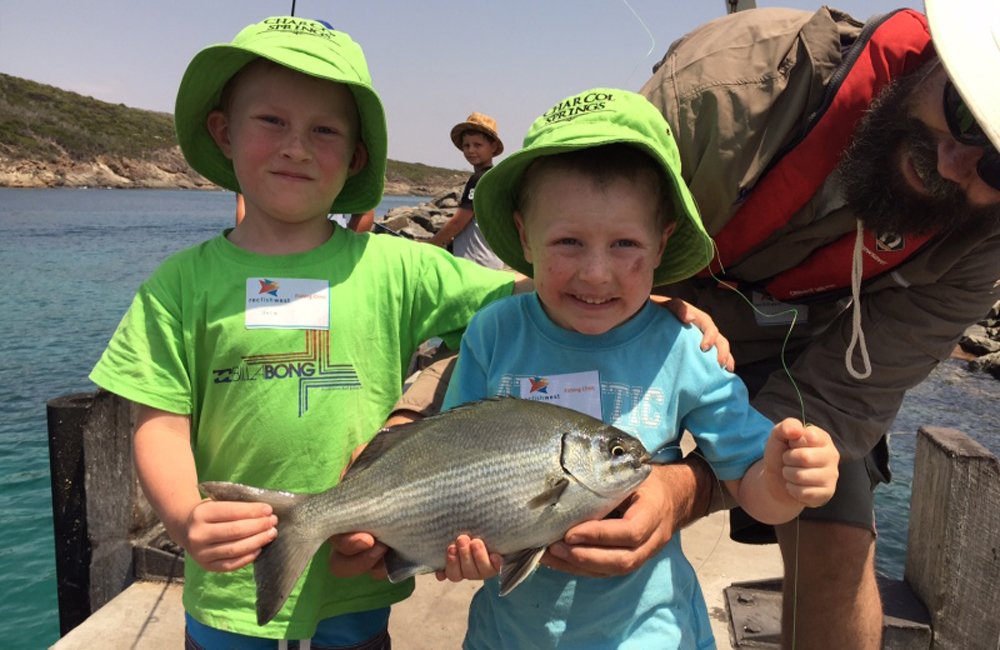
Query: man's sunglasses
pixel 965 129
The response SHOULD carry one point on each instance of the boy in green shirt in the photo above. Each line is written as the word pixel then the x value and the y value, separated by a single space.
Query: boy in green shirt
pixel 265 355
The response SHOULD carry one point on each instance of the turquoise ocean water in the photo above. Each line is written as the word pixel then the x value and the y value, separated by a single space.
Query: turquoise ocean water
pixel 71 261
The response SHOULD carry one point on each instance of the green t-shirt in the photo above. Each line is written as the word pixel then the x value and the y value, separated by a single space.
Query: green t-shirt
pixel 284 408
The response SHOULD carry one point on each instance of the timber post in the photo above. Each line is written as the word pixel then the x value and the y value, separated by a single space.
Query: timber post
pixel 67 416
pixel 953 547
pixel 105 531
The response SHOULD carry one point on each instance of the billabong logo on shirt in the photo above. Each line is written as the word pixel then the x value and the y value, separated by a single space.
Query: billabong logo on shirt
pixel 268 286
pixel 310 367
pixel 539 385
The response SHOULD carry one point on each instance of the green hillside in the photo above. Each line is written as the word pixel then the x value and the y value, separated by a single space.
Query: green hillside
pixel 44 124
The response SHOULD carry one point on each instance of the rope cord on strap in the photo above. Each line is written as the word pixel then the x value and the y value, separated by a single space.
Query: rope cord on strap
pixel 857 334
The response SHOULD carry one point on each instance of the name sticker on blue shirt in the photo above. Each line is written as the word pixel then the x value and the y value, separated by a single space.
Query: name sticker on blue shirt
pixel 287 303
pixel 580 391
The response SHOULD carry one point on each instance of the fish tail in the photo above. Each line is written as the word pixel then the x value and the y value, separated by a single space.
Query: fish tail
pixel 281 563
pixel 278 568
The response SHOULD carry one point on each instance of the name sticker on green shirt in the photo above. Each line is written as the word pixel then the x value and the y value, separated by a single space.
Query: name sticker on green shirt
pixel 288 303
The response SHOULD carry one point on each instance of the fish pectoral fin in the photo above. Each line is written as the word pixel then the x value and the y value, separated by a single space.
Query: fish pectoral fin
pixel 550 496
pixel 399 568
pixel 518 566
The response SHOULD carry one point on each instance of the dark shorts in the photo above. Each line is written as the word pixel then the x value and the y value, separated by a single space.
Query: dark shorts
pixel 329 635
pixel 852 503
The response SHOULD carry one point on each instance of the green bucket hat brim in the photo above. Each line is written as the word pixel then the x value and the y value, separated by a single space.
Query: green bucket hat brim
pixel 689 248
pixel 337 59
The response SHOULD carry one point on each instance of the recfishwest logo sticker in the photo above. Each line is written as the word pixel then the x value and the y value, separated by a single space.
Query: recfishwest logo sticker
pixel 287 303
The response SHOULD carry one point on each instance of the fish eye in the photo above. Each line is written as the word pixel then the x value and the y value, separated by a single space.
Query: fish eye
pixel 617 448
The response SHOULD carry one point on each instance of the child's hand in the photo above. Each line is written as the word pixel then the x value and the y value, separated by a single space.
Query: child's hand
pixel 711 336
pixel 228 535
pixel 353 554
pixel 468 559
pixel 800 463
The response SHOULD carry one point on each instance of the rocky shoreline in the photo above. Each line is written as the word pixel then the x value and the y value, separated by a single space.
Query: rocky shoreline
pixel 164 169
pixel 980 346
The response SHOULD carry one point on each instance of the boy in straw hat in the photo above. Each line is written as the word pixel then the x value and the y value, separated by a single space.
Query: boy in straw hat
pixel 478 141
pixel 594 209
pixel 265 355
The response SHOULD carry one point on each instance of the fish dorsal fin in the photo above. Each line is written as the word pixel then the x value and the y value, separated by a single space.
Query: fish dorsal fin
pixel 517 566
pixel 399 568
pixel 550 496
pixel 383 440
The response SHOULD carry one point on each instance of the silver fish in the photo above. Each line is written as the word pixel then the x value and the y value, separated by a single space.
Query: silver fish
pixel 515 473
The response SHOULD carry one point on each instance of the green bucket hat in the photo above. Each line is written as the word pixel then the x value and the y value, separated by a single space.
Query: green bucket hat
pixel 590 119
pixel 309 47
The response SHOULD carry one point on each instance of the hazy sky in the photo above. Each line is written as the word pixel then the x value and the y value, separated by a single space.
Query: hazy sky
pixel 432 61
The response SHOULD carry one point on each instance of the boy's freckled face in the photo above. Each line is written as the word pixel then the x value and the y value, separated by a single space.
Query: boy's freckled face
pixel 477 148
pixel 293 142
pixel 594 249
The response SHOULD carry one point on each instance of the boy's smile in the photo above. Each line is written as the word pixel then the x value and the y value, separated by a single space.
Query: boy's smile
pixel 594 248
pixel 293 140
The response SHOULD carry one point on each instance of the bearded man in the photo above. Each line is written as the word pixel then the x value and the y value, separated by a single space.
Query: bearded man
pixel 850 177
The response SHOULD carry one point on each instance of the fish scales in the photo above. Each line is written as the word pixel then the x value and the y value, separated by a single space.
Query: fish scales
pixel 515 473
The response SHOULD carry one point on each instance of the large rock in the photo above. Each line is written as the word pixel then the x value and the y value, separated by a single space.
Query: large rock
pixel 421 221
pixel 982 341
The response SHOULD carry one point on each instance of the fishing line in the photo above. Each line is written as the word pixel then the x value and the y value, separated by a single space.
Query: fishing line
pixel 793 312
pixel 652 41
pixel 293 8
pixel 802 406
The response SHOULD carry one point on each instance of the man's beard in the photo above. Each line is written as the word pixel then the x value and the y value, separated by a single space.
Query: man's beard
pixel 873 181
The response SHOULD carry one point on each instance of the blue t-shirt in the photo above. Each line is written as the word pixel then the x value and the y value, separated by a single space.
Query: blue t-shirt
pixel 654 383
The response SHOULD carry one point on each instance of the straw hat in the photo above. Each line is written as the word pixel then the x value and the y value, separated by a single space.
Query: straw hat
pixel 477 122
pixel 966 35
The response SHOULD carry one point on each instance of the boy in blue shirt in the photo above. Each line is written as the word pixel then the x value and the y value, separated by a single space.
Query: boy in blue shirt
pixel 595 210
pixel 265 355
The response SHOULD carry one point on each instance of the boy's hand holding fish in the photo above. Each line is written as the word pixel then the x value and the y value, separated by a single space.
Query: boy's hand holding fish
pixel 353 554
pixel 219 535
pixel 228 535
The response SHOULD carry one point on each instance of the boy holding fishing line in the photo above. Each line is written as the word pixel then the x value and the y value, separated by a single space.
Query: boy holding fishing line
pixel 265 355
pixel 595 210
